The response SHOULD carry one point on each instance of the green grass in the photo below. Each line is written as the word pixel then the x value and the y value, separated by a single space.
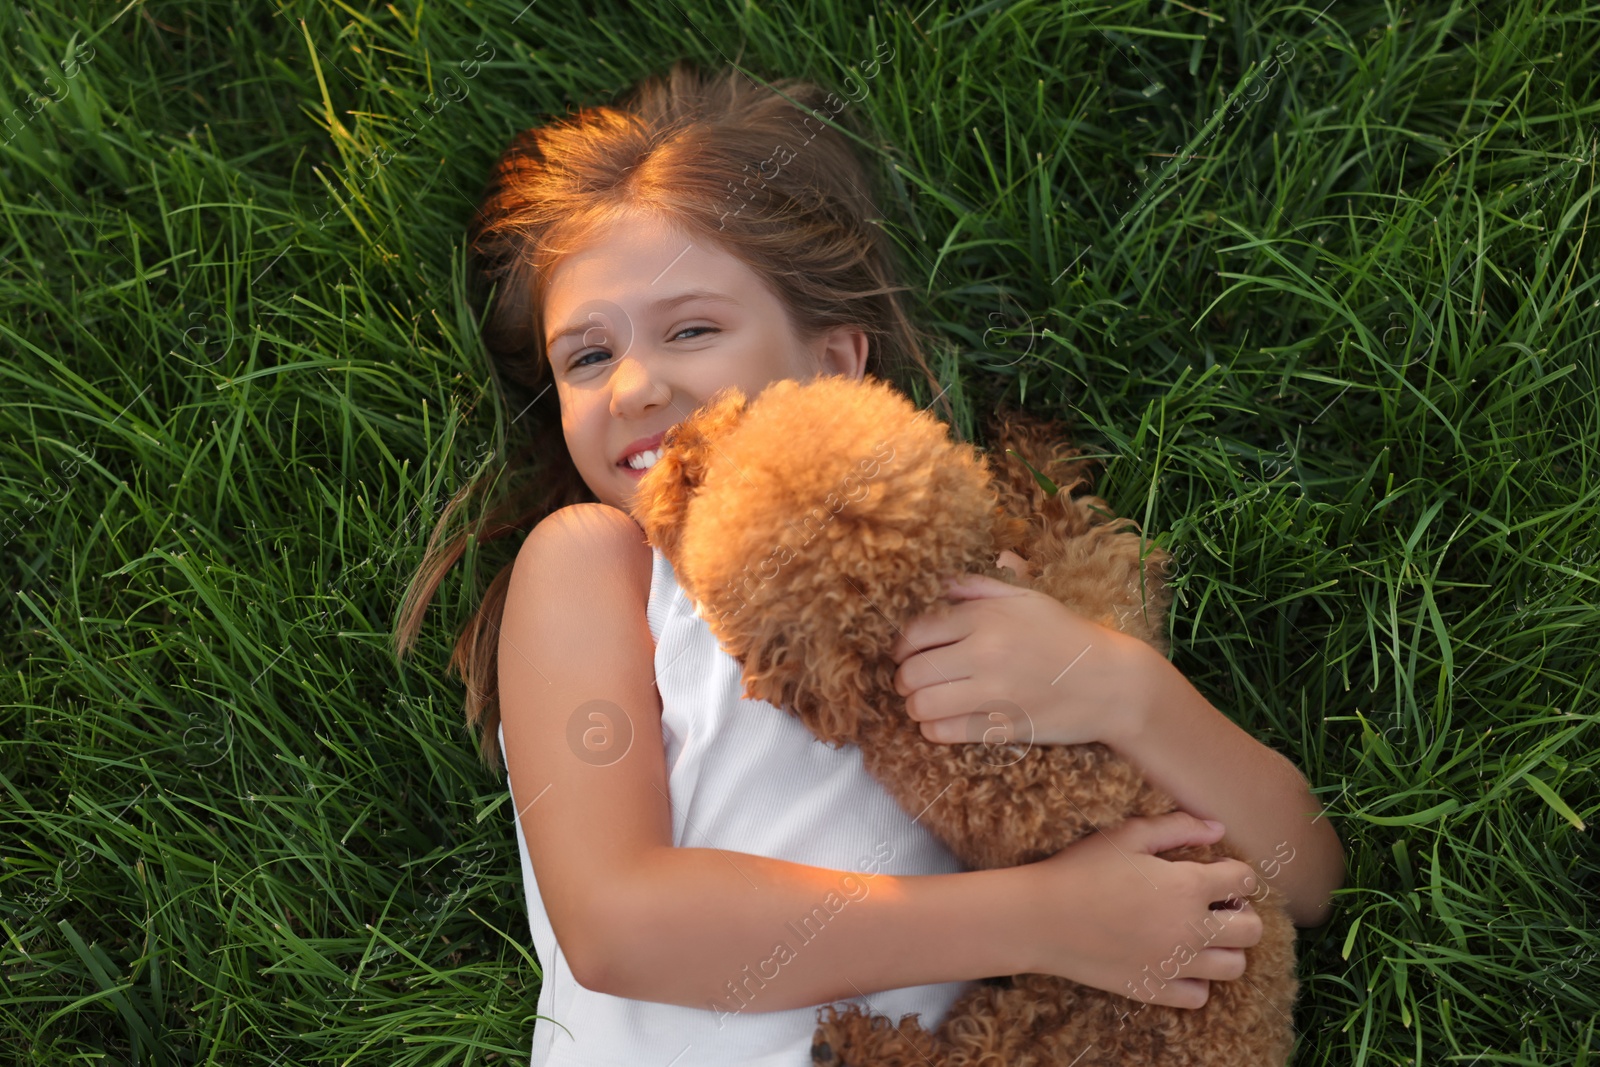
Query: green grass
pixel 1339 351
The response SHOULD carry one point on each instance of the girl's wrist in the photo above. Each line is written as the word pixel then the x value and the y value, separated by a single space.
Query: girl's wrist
pixel 1028 905
pixel 1015 904
pixel 1144 668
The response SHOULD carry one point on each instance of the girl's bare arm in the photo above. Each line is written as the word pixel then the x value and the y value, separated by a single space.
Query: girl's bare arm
pixel 1017 643
pixel 701 927
pixel 636 916
pixel 1214 769
pixel 731 931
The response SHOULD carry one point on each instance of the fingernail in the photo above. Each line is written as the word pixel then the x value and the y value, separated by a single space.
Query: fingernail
pixel 1214 824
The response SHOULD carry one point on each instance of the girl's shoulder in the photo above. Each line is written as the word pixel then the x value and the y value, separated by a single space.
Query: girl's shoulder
pixel 592 540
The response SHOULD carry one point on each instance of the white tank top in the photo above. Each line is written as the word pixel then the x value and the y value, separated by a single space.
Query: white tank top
pixel 743 776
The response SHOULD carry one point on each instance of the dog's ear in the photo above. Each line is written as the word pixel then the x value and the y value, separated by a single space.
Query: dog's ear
pixel 660 503
pixel 1043 443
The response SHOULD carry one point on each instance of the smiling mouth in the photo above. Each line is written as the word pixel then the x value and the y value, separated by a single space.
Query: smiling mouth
pixel 642 461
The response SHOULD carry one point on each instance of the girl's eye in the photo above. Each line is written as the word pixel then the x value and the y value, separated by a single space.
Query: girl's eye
pixel 579 360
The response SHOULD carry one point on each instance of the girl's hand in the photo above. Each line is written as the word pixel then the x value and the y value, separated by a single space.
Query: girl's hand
pixel 1011 664
pixel 1112 915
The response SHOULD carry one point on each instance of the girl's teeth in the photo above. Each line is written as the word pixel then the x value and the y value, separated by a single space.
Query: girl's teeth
pixel 644 460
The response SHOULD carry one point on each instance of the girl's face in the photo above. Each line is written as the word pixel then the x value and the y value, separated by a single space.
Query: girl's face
pixel 644 324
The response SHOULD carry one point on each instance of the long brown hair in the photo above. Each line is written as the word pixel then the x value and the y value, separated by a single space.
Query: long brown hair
pixel 726 160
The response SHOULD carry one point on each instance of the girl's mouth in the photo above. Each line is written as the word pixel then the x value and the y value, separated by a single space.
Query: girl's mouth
pixel 650 457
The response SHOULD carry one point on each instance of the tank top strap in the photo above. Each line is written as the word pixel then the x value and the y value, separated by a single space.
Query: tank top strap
pixel 663 591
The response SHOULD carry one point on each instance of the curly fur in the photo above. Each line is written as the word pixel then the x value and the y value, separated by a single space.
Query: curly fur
pixel 807 561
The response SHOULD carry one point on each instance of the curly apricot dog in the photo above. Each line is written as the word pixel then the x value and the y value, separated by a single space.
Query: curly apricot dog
pixel 806 561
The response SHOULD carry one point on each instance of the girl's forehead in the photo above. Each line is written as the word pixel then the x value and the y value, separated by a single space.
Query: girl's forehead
pixel 605 248
pixel 638 226
pixel 639 256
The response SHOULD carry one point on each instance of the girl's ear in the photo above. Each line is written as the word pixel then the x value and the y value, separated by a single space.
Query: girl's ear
pixel 660 503
pixel 844 352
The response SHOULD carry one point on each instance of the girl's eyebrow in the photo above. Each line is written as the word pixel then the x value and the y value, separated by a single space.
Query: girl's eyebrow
pixel 662 305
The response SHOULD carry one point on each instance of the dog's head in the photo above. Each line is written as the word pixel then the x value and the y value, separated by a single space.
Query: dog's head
pixel 660 503
pixel 809 525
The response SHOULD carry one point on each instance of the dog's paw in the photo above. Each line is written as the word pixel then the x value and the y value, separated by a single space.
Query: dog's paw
pixel 822 1054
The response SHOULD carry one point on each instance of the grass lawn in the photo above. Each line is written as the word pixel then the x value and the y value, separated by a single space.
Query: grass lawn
pixel 1318 283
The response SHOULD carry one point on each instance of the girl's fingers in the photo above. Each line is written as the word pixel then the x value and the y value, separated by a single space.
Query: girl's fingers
pixel 925 671
pixel 1193 990
pixel 970 586
pixel 1179 993
pixel 927 632
pixel 935 703
pixel 1232 928
pixel 1217 965
pixel 1230 878
pixel 1220 965
pixel 1175 829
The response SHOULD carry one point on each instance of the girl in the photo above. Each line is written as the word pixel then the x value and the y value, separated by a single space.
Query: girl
pixel 699 873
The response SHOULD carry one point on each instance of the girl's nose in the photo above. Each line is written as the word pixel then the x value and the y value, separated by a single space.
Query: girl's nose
pixel 635 387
